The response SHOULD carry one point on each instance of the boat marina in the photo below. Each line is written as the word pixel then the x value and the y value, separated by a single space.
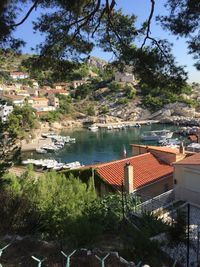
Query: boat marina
pixel 53 164
pixel 120 125
pixel 49 142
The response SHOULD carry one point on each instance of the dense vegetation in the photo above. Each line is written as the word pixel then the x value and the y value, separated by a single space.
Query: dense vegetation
pixel 21 122
pixel 64 209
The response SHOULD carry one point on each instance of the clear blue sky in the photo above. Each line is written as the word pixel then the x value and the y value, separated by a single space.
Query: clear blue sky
pixel 141 8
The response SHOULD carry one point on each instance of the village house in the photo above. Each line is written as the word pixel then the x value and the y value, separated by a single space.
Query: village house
pixel 124 77
pixel 10 88
pixel 149 172
pixel 166 154
pixel 14 99
pixel 144 174
pixel 53 101
pixel 77 83
pixel 5 112
pixel 42 104
pixel 61 86
pixel 187 179
pixel 18 75
pixel 39 103
pixel 56 91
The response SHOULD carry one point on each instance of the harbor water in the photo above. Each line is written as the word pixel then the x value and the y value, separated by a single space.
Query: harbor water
pixel 100 146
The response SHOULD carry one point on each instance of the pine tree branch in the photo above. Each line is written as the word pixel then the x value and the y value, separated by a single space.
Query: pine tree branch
pixel 26 16
pixel 149 23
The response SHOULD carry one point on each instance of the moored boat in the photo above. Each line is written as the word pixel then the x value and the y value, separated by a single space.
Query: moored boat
pixel 156 135
pixel 93 128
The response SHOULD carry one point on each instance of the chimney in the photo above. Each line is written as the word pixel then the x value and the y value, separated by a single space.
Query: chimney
pixel 181 148
pixel 128 178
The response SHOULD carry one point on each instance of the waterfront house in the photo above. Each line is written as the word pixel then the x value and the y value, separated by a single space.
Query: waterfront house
pixel 149 172
pixel 166 154
pixel 43 104
pixel 40 104
pixel 187 179
pixel 144 174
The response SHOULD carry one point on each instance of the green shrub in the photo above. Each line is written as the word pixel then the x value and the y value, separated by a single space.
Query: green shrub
pixel 104 109
pixel 115 86
pixel 50 116
pixel 91 111
pixel 123 100
pixel 130 91
pixel 83 90
pixel 152 103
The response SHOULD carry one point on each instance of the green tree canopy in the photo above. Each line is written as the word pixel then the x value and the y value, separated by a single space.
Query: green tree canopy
pixel 73 28
pixel 21 120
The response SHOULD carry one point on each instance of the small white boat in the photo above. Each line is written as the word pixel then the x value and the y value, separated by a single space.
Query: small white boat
pixel 156 135
pixel 109 127
pixel 93 128
pixel 169 142
pixel 194 147
pixel 41 151
pixel 50 148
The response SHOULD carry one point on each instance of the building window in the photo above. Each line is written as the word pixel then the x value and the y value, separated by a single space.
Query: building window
pixel 166 187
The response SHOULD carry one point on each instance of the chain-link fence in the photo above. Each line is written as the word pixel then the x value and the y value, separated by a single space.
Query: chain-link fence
pixel 182 240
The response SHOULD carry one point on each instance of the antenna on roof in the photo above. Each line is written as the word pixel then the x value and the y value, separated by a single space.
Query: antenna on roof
pixel 124 151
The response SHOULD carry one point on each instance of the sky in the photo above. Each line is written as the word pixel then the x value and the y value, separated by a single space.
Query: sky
pixel 141 8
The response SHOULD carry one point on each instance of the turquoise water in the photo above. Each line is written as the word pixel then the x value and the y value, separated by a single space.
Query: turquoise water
pixel 100 146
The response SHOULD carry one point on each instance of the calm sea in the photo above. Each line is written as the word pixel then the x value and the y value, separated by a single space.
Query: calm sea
pixel 100 146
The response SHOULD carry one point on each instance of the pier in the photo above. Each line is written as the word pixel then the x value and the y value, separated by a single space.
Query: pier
pixel 127 123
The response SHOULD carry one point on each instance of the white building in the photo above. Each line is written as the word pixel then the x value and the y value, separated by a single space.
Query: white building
pixel 17 100
pixel 78 83
pixel 4 112
pixel 124 77
pixel 17 75
pixel 187 179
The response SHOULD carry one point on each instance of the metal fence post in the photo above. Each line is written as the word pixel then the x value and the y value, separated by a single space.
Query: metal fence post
pixel 198 236
pixel 102 260
pixel 38 260
pixel 1 251
pixel 68 257
pixel 188 234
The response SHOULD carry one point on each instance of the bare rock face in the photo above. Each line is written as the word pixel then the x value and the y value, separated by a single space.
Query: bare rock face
pixel 182 109
pixel 167 113
pixel 56 125
pixel 175 109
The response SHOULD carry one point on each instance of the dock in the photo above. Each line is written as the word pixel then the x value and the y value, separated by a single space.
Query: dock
pixel 144 122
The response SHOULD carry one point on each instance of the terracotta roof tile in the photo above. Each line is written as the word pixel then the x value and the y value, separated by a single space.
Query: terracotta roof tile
pixel 159 148
pixel 146 168
pixel 192 160
pixel 39 98
pixel 57 91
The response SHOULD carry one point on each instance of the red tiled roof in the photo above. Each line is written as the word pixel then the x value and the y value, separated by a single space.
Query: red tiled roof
pixel 39 98
pixel 146 169
pixel 159 148
pixel 14 97
pixel 192 160
pixel 18 73
pixel 57 91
